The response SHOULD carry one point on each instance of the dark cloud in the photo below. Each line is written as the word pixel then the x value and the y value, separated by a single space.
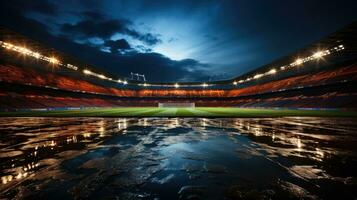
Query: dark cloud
pixel 93 15
pixel 141 48
pixel 150 39
pixel 97 24
pixel 115 64
pixel 90 28
pixel 24 6
pixel 117 45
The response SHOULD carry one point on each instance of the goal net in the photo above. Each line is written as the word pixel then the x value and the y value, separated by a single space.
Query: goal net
pixel 176 105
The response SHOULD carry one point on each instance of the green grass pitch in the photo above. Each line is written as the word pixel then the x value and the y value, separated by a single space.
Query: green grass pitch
pixel 181 112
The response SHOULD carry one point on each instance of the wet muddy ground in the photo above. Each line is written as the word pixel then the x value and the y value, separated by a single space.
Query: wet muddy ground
pixel 178 158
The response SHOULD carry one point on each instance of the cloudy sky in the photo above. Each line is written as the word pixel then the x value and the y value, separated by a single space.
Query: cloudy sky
pixel 177 40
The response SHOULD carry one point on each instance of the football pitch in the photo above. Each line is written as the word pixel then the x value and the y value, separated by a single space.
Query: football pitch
pixel 181 112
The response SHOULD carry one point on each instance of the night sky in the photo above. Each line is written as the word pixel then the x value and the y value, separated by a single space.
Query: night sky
pixel 177 40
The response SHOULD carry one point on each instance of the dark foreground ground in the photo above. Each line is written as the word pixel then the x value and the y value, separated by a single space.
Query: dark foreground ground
pixel 178 158
pixel 181 112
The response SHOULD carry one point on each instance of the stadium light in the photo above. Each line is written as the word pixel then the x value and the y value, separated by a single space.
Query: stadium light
pixel 235 83
pixel 257 76
pixel 119 81
pixel 318 54
pixel 23 50
pixel 53 60
pixel 177 85
pixel 299 61
pixel 36 55
pixel 204 85
pixel 272 71
pixel 86 71
pixel 125 82
pixel 145 84
pixel 102 76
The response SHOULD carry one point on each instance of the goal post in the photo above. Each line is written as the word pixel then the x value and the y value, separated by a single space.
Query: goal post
pixel 176 105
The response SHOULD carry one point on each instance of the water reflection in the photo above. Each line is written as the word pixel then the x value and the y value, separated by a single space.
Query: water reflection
pixel 200 158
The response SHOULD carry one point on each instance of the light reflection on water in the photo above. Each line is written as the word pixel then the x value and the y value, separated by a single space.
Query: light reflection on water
pixel 134 158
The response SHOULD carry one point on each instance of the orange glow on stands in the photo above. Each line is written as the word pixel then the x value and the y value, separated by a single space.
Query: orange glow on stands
pixel 11 74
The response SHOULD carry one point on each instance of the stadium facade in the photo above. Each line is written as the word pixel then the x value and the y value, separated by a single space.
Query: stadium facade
pixel 321 75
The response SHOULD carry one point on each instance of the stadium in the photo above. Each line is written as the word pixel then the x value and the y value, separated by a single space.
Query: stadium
pixel 321 76
pixel 161 100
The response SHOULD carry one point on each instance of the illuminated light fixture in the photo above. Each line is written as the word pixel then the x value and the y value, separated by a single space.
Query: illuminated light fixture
pixel 257 76
pixel 318 54
pixel 36 55
pixel 241 81
pixel 125 82
pixel 24 50
pixel 177 85
pixel 235 83
pixel 86 71
pixel 299 61
pixel 282 68
pixel 341 46
pixel 69 66
pixel 53 60
pixel 102 76
pixel 145 84
pixel 204 85
pixel 119 81
pixel 272 71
